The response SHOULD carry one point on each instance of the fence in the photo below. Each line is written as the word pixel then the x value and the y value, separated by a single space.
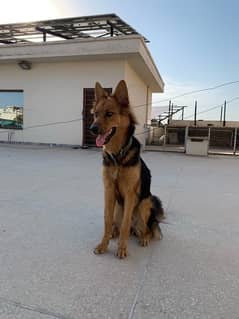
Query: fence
pixel 171 137
pixel 222 140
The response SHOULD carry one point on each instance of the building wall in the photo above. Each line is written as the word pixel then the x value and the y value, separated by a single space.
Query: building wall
pixel 140 99
pixel 53 92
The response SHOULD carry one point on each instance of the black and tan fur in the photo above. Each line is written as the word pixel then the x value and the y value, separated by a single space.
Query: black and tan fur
pixel 129 205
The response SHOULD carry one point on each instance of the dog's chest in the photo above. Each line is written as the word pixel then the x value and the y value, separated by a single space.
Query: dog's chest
pixel 117 175
pixel 114 173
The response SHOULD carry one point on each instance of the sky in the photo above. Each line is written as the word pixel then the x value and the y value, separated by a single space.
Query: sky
pixel 11 98
pixel 194 43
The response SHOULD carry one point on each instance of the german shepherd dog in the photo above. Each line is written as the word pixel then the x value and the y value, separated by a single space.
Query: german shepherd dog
pixel 129 205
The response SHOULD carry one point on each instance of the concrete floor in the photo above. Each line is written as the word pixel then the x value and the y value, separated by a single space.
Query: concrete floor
pixel 51 218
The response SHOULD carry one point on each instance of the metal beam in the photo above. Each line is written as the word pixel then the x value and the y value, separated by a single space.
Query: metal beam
pixel 54 33
pixel 69 28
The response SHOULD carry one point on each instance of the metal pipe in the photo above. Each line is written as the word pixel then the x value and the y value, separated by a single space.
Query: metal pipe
pixel 147 106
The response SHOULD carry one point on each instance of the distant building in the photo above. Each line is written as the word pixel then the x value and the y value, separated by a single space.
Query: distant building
pixel 203 123
pixel 10 112
pixel 11 117
pixel 56 64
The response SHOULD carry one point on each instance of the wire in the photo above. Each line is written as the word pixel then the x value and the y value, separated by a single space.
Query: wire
pixel 143 132
pixel 190 93
pixel 204 111
pixel 53 123
pixel 214 107
pixel 47 124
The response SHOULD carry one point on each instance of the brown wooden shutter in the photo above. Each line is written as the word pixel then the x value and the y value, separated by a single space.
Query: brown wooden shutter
pixel 88 100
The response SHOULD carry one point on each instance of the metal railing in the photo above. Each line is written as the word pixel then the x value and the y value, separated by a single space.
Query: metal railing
pixel 222 140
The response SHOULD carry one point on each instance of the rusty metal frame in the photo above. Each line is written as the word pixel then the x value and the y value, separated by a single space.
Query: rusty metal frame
pixel 109 25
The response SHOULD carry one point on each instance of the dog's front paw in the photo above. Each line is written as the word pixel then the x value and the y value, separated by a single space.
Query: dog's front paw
pixel 100 249
pixel 122 252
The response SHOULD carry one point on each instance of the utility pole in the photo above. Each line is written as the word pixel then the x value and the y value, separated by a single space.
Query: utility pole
pixel 224 115
pixel 171 116
pixel 182 112
pixel 195 113
pixel 169 111
pixel 221 113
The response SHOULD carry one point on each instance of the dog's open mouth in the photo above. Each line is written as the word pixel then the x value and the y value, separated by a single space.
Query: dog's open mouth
pixel 103 139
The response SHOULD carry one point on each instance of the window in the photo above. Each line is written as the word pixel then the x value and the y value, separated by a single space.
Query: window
pixel 11 109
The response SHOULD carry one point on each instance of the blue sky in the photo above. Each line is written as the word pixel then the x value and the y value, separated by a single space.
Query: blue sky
pixel 194 43
pixel 11 98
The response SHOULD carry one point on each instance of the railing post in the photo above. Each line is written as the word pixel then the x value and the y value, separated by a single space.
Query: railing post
pixel 165 135
pixel 209 137
pixel 235 142
pixel 185 138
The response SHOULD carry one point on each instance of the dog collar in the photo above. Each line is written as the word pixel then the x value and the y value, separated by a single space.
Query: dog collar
pixel 117 158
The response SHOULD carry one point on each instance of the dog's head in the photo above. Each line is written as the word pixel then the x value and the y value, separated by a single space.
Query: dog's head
pixel 112 113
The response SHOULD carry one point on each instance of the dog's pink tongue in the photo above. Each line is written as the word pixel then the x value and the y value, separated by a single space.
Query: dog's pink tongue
pixel 100 140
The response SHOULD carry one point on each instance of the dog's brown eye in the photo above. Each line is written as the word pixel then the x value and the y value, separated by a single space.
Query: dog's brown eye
pixel 109 114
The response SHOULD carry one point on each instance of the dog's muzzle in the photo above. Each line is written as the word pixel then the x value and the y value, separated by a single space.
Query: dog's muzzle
pixel 94 129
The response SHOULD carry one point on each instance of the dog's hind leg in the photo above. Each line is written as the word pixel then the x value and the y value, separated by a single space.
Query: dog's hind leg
pixel 142 230
pixel 156 216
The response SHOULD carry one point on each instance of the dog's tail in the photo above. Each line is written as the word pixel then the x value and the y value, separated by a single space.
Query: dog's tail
pixel 157 215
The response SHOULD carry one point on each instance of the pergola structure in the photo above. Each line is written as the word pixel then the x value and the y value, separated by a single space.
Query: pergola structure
pixel 96 26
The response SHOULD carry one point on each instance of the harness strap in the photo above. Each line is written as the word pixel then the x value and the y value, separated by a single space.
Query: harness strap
pixel 116 158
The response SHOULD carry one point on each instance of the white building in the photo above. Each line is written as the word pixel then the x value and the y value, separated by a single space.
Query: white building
pixel 56 64
pixel 10 112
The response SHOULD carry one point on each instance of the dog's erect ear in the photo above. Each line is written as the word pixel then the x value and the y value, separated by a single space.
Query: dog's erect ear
pixel 121 94
pixel 99 92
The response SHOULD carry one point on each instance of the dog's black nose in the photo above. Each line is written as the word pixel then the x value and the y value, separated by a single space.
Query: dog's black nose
pixel 94 129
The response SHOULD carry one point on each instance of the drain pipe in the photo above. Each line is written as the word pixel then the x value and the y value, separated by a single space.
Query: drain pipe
pixel 147 106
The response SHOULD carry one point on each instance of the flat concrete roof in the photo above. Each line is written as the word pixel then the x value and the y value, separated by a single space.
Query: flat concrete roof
pixel 205 123
pixel 51 212
pixel 131 48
